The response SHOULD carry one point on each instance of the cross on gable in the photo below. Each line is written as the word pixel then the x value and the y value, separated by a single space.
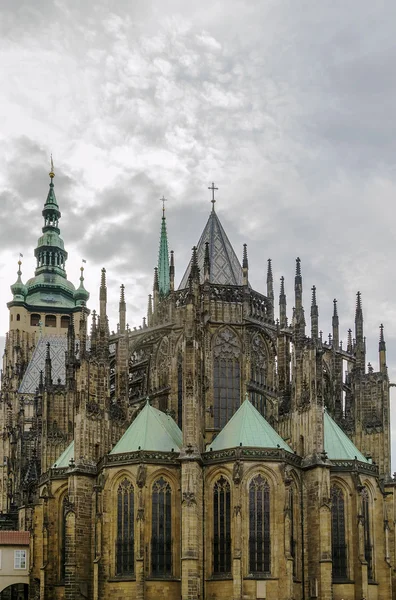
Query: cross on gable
pixel 213 188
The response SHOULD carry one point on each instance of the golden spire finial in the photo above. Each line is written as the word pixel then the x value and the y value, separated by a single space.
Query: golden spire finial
pixel 52 174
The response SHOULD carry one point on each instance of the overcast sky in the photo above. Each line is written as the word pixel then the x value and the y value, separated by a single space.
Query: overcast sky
pixel 287 105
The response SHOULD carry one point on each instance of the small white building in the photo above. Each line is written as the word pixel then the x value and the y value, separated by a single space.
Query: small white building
pixel 14 560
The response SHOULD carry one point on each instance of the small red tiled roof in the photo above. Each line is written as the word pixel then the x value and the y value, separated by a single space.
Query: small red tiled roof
pixel 14 538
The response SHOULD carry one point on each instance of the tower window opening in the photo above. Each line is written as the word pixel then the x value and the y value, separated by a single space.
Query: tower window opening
pixel 50 321
pixel 18 317
pixel 35 320
pixel 65 322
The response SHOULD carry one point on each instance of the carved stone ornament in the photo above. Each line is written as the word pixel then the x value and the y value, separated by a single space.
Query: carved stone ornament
pixel 140 514
pixel 141 476
pixel 189 498
pixel 237 472
pixel 117 414
pixel 237 510
pixel 93 410
pixel 227 344
pixel 189 384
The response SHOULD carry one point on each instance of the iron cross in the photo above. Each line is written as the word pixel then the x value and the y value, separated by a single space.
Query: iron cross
pixel 163 200
pixel 213 188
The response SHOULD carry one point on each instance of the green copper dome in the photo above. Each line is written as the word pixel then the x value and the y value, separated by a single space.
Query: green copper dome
pixel 18 289
pixel 81 295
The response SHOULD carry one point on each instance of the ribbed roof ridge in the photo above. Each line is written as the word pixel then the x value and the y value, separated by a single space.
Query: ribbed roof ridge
pixel 225 268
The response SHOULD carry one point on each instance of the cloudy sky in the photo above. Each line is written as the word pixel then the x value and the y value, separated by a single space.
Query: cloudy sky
pixel 287 105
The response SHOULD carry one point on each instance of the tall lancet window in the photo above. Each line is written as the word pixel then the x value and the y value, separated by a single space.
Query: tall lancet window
pixel 368 543
pixel 221 527
pixel 125 529
pixel 180 390
pixel 62 537
pixel 227 377
pixel 161 532
pixel 259 526
pixel 338 538
pixel 258 374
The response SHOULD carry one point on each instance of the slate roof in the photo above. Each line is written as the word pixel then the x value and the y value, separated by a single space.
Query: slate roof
pixel 151 430
pixel 249 428
pixel 64 459
pixel 337 444
pixel 58 347
pixel 225 268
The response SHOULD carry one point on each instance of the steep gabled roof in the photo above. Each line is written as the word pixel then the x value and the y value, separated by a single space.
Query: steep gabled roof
pixel 151 430
pixel 225 267
pixel 58 347
pixel 64 459
pixel 337 444
pixel 248 427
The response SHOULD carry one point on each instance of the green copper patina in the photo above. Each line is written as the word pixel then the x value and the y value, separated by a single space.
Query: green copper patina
pixel 50 288
pixel 163 256
pixel 337 444
pixel 151 430
pixel 64 459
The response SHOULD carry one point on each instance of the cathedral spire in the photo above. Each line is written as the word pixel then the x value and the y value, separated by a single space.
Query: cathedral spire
pixel 270 290
pixel 172 272
pixel 48 367
pixel 360 342
pixel 335 324
pixel 50 252
pixel 122 309
pixel 314 315
pixel 299 314
pixel 207 263
pixel 163 256
pixel 194 265
pixel 245 266
pixel 282 304
pixel 382 350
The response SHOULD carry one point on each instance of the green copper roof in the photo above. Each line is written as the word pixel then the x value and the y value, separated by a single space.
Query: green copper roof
pixel 64 459
pixel 151 430
pixel 337 444
pixel 18 289
pixel 163 260
pixel 248 427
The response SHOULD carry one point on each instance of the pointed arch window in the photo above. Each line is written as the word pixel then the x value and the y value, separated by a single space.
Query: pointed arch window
pixel 293 530
pixel 161 533
pixel 221 527
pixel 125 551
pixel 368 542
pixel 259 526
pixel 338 537
pixel 62 537
pixel 227 377
pixel 258 374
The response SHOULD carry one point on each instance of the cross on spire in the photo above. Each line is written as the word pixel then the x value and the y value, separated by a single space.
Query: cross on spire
pixel 213 188
pixel 163 200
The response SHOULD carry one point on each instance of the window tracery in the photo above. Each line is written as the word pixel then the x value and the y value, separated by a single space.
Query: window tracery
pixel 368 542
pixel 259 526
pixel 125 541
pixel 227 376
pixel 338 539
pixel 161 533
pixel 258 373
pixel 221 527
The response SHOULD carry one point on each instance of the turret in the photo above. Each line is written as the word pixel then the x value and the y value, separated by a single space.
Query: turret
pixel 245 266
pixel 360 342
pixel 172 272
pixel 150 311
pixel 382 350
pixel 282 304
pixel 48 367
pixel 299 312
pixel 207 263
pixel 194 266
pixel 122 309
pixel 18 289
pixel 314 316
pixel 335 326
pixel 155 289
pixel 81 296
pixel 270 290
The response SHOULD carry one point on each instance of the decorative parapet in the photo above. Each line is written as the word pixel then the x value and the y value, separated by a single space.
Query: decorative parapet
pixel 252 454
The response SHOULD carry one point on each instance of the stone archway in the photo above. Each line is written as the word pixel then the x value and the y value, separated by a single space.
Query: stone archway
pixel 15 591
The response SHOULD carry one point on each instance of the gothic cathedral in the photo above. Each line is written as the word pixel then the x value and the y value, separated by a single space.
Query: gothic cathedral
pixel 220 451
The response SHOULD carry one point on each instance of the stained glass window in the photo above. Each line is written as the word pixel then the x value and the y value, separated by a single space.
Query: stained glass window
pixel 180 391
pixel 339 548
pixel 226 377
pixel 293 533
pixel 62 540
pixel 161 533
pixel 221 527
pixel 368 545
pixel 125 529
pixel 259 526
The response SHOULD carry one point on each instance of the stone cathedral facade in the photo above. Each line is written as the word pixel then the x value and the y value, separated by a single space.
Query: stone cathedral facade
pixel 222 450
